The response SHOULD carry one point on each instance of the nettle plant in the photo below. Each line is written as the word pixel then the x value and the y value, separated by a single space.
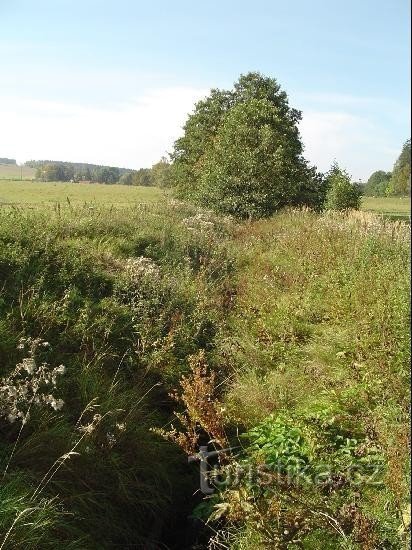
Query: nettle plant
pixel 31 383
pixel 297 474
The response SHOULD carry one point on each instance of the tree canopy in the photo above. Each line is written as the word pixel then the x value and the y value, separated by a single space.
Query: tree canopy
pixel 160 173
pixel 4 160
pixel 241 152
pixel 400 182
pixel 377 184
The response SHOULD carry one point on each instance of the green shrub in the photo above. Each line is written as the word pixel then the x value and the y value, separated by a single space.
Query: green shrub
pixel 342 193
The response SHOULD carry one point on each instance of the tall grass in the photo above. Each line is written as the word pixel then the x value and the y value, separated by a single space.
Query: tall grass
pixel 123 297
pixel 322 345
pixel 298 330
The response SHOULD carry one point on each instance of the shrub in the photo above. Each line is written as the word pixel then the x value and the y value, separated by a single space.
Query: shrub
pixel 342 193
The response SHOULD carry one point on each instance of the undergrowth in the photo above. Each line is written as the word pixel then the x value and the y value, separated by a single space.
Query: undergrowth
pixel 156 327
pixel 121 299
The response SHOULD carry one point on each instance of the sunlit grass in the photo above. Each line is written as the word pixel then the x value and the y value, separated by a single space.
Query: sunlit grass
pixel 15 172
pixel 389 206
pixel 35 193
pixel 295 314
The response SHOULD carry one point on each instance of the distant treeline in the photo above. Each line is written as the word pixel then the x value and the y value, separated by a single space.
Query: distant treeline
pixel 50 170
pixel 7 161
pixel 395 183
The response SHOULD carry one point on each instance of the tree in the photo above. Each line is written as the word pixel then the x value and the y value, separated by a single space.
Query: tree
pixel 241 152
pixel 342 194
pixel 160 173
pixel 199 131
pixel 108 174
pixel 127 178
pixel 68 172
pixel 53 171
pixel 400 182
pixel 377 183
pixel 143 176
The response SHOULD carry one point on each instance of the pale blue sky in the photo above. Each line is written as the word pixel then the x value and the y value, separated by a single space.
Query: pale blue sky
pixel 112 81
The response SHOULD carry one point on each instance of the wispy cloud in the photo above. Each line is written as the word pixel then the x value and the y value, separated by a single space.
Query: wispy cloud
pixel 135 133
pixel 357 131
pixel 355 142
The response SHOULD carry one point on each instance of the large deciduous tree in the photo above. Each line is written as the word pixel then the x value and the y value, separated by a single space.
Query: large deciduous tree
pixel 241 152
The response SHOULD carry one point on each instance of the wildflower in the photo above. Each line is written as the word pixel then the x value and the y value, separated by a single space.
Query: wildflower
pixel 137 268
pixel 28 365
pixel 26 385
pixel 58 404
pixel 200 221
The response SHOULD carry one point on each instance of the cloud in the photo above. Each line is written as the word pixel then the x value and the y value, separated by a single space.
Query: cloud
pixel 133 133
pixel 357 143
pixel 363 133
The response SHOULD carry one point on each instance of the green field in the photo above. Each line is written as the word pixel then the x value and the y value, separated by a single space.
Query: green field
pixel 27 192
pixel 14 172
pixel 394 207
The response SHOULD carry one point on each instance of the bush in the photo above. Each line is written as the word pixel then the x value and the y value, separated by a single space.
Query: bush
pixel 342 194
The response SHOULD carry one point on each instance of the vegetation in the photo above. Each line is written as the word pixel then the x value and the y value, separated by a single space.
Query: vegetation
pixel 47 171
pixel 321 350
pixel 241 152
pixel 292 331
pixel 274 327
pixel 342 193
pixel 161 173
pixel 121 298
pixel 395 183
pixel 70 171
pixel 400 182
pixel 377 184
pixel 16 173
pixel 36 193
pixel 392 207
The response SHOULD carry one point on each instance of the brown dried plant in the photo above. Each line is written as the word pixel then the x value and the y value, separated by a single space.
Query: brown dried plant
pixel 202 411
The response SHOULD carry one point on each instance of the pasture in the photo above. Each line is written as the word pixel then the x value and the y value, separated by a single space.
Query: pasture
pixel 394 207
pixel 14 172
pixel 37 193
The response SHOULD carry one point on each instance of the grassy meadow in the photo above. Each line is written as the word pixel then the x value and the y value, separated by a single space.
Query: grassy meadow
pixel 38 193
pixel 395 207
pixel 127 331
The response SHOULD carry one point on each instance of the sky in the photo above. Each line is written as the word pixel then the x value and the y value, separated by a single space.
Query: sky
pixel 112 82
